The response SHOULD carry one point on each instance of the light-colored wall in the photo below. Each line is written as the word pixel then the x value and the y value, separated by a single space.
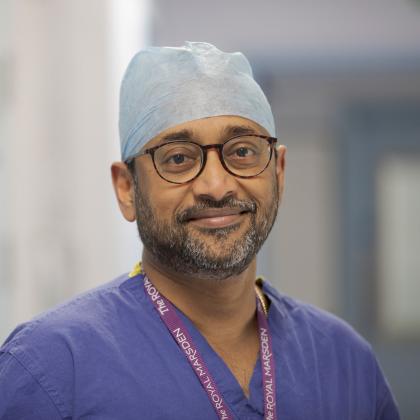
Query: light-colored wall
pixel 5 142
pixel 61 231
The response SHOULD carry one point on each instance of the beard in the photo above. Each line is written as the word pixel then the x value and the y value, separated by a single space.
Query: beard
pixel 210 253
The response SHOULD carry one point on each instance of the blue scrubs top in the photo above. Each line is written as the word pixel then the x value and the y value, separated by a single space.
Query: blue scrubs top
pixel 107 355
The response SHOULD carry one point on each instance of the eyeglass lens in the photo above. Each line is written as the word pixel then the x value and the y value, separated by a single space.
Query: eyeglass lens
pixel 181 161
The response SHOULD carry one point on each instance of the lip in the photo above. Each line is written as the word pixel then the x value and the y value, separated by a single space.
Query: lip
pixel 217 218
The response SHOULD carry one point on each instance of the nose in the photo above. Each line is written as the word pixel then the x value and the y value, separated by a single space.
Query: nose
pixel 214 182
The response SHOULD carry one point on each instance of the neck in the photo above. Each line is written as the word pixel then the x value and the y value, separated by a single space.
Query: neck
pixel 223 310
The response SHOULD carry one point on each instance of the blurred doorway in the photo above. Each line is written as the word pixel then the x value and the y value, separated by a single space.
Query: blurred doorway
pixel 380 232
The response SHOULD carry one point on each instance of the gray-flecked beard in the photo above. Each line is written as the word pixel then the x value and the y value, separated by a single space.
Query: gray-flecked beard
pixel 190 251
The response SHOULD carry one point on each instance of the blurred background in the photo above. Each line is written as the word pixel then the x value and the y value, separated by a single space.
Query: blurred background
pixel 343 78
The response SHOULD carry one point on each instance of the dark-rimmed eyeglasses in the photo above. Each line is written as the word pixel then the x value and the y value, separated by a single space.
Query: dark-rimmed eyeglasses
pixel 181 161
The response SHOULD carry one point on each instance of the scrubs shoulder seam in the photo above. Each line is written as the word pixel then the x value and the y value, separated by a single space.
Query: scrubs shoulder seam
pixel 57 404
pixel 384 395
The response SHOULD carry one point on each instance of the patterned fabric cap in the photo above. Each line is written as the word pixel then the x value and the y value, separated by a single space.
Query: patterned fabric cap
pixel 165 86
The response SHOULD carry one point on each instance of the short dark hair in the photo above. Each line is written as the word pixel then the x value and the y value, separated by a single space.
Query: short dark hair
pixel 131 166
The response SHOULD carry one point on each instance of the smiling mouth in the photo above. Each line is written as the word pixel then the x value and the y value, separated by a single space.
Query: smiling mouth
pixel 217 218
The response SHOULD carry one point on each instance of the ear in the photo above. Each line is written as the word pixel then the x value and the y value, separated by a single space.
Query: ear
pixel 280 168
pixel 124 190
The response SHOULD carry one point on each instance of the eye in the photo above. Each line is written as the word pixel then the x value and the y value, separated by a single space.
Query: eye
pixel 243 151
pixel 177 159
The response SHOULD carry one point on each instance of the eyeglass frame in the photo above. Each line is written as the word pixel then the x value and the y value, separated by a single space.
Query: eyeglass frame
pixel 204 149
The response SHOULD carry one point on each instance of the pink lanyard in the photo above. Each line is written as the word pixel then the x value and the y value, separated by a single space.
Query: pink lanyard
pixel 181 336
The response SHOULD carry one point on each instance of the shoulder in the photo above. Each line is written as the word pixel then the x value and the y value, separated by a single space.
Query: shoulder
pixel 321 336
pixel 331 350
pixel 85 314
pixel 74 310
pixel 319 322
pixel 59 344
pixel 50 346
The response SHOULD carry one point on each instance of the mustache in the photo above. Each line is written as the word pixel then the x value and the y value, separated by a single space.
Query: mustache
pixel 205 204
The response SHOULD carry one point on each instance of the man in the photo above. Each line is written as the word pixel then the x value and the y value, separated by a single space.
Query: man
pixel 190 333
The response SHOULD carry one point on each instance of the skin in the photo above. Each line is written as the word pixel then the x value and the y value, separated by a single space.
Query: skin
pixel 224 310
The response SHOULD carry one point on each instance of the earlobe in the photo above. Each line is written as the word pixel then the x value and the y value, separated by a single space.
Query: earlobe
pixel 124 190
pixel 281 159
pixel 280 168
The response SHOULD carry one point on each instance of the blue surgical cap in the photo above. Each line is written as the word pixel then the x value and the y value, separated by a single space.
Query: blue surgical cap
pixel 164 86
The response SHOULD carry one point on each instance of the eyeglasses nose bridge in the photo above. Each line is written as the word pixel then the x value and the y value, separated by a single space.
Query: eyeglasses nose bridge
pixel 205 148
pixel 217 146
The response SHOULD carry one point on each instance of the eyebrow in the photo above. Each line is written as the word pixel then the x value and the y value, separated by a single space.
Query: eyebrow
pixel 177 135
pixel 238 130
pixel 228 132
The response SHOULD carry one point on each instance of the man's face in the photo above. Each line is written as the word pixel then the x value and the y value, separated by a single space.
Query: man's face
pixel 213 226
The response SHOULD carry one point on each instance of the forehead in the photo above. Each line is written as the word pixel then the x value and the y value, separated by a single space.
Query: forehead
pixel 209 130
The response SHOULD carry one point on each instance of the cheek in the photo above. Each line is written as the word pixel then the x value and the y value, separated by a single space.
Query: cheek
pixel 165 199
pixel 262 189
pixel 154 190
